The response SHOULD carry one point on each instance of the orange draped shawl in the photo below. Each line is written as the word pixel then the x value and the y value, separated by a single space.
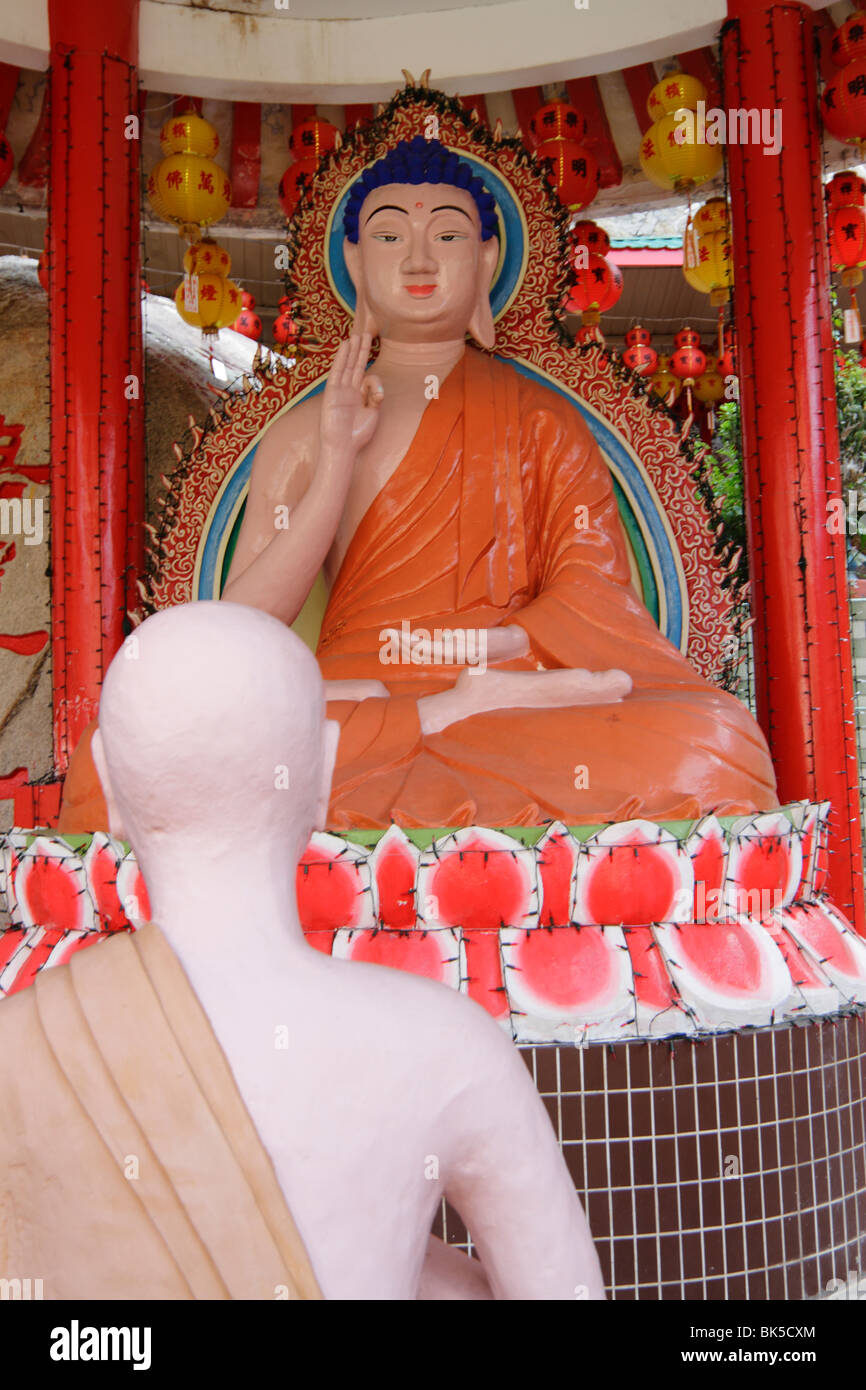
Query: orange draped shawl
pixel 476 527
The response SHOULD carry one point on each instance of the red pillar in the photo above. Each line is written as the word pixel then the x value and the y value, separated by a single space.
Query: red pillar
pixel 97 430
pixel 791 447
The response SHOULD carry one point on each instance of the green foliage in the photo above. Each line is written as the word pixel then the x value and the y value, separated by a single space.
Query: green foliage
pixel 726 462
pixel 726 471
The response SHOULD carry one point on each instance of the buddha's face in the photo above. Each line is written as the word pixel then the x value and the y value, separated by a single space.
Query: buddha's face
pixel 420 263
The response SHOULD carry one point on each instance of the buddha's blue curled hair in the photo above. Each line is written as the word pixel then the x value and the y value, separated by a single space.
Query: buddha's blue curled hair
pixel 420 161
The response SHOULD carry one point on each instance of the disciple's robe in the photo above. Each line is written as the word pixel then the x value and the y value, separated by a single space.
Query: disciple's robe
pixel 482 523
pixel 129 1165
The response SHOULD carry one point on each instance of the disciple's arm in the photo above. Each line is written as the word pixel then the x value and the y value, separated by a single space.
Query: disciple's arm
pixel 292 482
pixel 507 1179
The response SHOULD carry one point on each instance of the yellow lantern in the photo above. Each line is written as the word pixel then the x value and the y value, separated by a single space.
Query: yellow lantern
pixel 218 302
pixel 204 256
pixel 673 93
pixel 191 191
pixel 663 381
pixel 710 385
pixel 187 187
pixel 714 216
pixel 708 262
pixel 189 133
pixel 671 162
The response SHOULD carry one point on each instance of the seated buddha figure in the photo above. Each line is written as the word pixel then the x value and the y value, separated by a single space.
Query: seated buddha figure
pixel 438 490
pixel 442 491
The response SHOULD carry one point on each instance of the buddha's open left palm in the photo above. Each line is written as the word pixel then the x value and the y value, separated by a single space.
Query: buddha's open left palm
pixel 351 400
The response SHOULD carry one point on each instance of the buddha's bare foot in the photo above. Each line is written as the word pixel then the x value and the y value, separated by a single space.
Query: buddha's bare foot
pixel 479 693
pixel 356 690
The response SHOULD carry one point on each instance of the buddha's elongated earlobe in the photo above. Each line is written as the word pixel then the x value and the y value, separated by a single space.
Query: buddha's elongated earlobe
pixel 365 320
pixel 481 326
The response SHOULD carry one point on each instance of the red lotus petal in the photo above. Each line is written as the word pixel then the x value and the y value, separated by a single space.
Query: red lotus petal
pixel 709 864
pixel 51 894
pixel 474 889
pixel 764 865
pixel 723 953
pixel 320 941
pixel 484 971
pixel 631 883
pixel 555 866
pixel 651 980
pixel 36 959
pixel 416 952
pixel 565 968
pixel 329 890
pixel 802 971
pixel 395 881
pixel 102 870
pixel 826 940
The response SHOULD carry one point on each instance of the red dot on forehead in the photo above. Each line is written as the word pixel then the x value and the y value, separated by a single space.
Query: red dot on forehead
pixel 419 205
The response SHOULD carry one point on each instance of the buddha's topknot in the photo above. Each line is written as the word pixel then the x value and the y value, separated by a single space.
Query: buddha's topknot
pixel 420 161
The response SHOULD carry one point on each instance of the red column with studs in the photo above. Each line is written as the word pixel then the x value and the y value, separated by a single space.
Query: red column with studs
pixel 804 680
pixel 96 370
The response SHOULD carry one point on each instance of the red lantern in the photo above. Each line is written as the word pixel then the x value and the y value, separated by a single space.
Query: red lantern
pixel 641 358
pixel 847 229
pixel 599 286
pixel 286 331
pixel 845 190
pixel 638 334
pixel 590 235
pixel 639 354
pixel 297 177
pixel 843 104
pixel 558 120
pixel 688 363
pixel 6 161
pixel 728 362
pixel 849 41
pixel 588 333
pixel 574 171
pixel 313 139
pixel 687 337
pixel 248 322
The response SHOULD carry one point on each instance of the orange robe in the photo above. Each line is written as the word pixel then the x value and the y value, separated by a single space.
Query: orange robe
pixel 476 527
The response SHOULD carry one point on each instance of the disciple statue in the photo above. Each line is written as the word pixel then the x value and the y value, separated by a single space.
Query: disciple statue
pixel 462 512
pixel 207 1108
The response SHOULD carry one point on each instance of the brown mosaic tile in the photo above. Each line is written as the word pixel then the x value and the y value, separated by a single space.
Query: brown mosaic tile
pixel 755 1230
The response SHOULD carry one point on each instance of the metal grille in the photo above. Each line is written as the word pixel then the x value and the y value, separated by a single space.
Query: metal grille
pixel 729 1168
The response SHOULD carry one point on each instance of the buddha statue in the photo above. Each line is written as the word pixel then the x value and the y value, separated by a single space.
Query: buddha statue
pixel 483 649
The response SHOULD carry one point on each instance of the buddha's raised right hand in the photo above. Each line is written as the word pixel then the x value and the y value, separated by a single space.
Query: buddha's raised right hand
pixel 350 402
